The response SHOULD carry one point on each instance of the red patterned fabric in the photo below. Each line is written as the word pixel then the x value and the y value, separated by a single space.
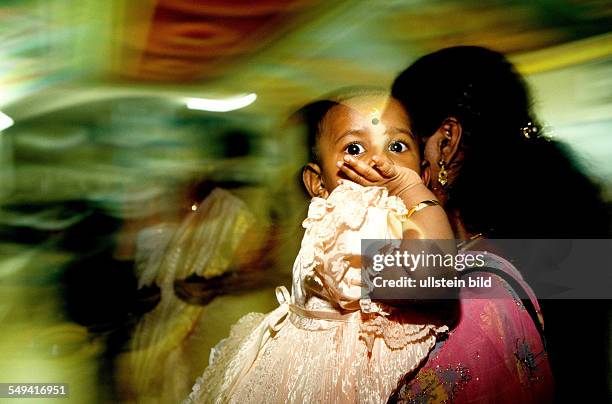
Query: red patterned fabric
pixel 493 355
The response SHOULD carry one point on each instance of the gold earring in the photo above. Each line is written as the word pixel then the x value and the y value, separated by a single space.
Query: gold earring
pixel 442 174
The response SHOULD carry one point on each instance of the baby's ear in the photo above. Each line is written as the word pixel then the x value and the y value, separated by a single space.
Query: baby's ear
pixel 425 172
pixel 311 176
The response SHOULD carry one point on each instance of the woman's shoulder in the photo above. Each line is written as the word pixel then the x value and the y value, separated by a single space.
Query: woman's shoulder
pixel 495 350
pixel 508 292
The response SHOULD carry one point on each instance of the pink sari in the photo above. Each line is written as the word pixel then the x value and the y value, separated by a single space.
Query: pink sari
pixel 494 354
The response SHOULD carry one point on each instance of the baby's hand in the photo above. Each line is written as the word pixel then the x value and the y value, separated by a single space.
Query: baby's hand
pixel 380 172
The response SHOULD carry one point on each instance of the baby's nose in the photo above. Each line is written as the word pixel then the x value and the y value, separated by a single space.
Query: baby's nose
pixel 384 158
pixel 375 150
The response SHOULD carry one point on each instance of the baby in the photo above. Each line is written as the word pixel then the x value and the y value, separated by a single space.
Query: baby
pixel 325 342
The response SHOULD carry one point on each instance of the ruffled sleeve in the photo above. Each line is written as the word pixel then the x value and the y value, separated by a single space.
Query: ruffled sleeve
pixel 329 264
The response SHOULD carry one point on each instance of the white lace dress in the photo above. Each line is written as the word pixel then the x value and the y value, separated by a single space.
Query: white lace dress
pixel 323 343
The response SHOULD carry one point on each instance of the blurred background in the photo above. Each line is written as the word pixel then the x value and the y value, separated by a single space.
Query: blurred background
pixel 147 178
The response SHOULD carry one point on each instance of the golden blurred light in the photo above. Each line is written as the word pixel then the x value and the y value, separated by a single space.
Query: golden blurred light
pixel 5 121
pixel 221 105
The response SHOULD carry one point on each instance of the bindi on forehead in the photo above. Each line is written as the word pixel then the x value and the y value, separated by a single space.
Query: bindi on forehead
pixel 375 116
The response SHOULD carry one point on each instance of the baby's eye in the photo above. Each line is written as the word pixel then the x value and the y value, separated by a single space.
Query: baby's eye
pixel 354 149
pixel 398 147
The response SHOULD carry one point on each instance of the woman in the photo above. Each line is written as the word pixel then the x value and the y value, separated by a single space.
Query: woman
pixel 497 177
pixel 494 171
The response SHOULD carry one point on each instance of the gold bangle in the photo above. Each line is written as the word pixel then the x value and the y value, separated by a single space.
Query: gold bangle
pixel 422 205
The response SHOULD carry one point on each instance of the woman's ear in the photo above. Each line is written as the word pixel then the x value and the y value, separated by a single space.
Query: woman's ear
pixel 450 140
pixel 425 172
pixel 311 176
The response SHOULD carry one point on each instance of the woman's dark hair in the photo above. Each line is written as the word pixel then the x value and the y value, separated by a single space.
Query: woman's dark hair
pixel 509 185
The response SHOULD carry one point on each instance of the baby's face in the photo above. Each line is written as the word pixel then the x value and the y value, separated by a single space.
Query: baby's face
pixel 364 127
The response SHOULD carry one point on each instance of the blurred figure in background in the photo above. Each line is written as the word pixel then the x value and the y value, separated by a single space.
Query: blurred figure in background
pixel 169 344
pixel 211 262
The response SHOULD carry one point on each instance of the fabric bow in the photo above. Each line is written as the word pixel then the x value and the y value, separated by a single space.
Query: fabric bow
pixel 277 317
